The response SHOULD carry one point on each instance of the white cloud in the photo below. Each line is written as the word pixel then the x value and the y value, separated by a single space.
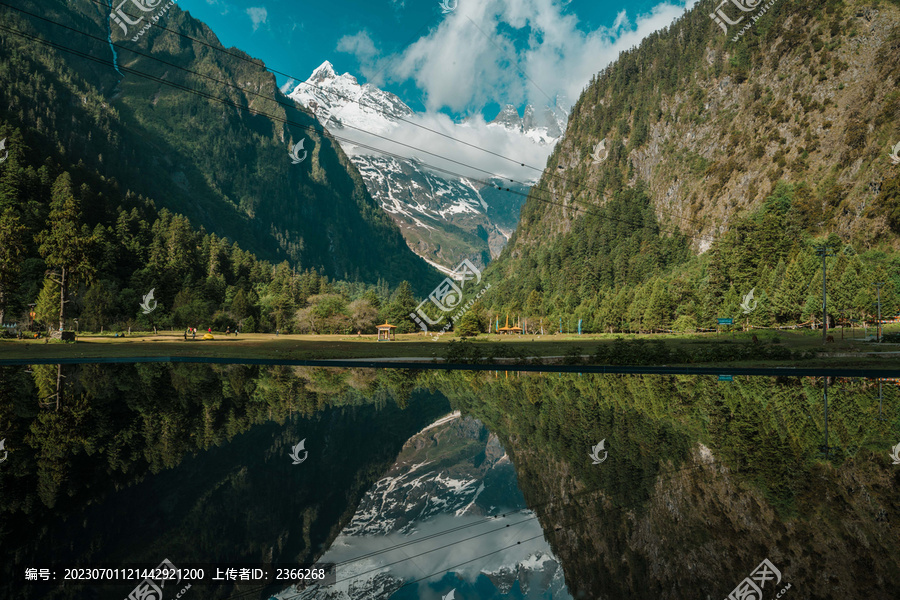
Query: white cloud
pixel 471 60
pixel 438 151
pixel 258 15
pixel 463 67
pixel 363 48
pixel 223 6
pixel 288 86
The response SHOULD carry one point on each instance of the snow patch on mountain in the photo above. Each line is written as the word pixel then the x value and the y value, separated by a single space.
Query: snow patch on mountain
pixel 449 198
pixel 450 496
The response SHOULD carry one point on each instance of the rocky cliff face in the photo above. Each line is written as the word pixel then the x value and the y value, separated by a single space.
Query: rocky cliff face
pixel 709 125
pixel 201 130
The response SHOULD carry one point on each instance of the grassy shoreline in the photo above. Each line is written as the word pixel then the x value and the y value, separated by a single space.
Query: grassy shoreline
pixel 552 349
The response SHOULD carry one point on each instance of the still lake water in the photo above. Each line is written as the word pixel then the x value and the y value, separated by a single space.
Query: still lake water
pixel 453 485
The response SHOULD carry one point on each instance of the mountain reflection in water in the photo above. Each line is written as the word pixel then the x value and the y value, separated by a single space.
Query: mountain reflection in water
pixel 703 481
pixel 450 497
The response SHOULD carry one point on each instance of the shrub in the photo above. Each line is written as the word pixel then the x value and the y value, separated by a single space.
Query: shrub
pixel 639 352
pixel 462 352
pixel 468 325
pixel 506 351
pixel 573 357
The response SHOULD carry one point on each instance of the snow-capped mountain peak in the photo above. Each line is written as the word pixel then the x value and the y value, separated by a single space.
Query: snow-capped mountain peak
pixel 323 72
pixel 444 218
pixel 544 128
pixel 340 100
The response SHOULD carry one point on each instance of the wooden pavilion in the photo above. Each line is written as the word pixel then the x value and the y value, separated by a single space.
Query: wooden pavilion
pixel 386 332
pixel 509 329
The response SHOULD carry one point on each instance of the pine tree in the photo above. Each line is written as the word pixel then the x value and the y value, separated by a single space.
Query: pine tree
pixel 47 307
pixel 812 305
pixel 468 325
pixel 731 303
pixel 240 305
pixel 100 306
pixel 401 305
pixel 638 308
pixel 12 248
pixel 66 245
pixel 791 293
pixel 658 312
pixel 845 288
pixel 13 172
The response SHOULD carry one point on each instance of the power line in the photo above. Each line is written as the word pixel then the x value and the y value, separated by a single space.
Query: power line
pixel 540 535
pixel 337 93
pixel 533 192
pixel 536 516
pixel 273 98
pixel 554 498
pixel 532 508
pixel 551 174
pixel 250 109
pixel 609 489
pixel 512 61
pixel 574 206
pixel 422 553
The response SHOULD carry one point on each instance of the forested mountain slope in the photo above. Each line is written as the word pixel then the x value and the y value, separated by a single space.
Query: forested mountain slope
pixel 175 131
pixel 64 226
pixel 745 150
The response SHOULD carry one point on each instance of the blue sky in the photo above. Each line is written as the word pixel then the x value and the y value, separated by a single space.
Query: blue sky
pixel 480 55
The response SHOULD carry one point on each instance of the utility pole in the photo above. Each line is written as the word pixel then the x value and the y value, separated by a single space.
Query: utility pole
pixel 878 287
pixel 824 250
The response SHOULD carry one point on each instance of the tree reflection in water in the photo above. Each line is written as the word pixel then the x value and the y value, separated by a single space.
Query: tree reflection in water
pixel 703 480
